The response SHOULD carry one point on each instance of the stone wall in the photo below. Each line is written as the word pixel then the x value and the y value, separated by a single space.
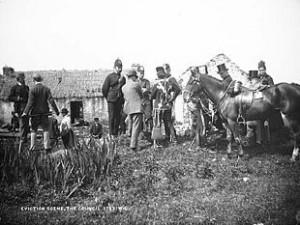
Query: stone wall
pixel 182 114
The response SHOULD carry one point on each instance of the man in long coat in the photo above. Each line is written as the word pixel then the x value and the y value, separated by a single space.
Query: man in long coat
pixel 133 107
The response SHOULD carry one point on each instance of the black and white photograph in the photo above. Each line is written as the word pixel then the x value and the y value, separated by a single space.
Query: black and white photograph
pixel 150 112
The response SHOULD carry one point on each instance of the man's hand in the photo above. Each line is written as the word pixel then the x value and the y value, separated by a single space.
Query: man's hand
pixel 24 115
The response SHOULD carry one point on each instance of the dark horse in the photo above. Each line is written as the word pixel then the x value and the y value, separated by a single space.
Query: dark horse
pixel 250 105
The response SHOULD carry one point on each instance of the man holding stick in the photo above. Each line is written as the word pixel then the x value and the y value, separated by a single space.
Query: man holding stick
pixel 37 105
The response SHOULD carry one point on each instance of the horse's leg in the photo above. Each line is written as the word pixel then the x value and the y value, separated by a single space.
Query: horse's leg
pixel 228 138
pixel 296 147
pixel 236 135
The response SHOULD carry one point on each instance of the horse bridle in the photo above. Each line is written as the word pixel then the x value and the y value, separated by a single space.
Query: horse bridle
pixel 204 108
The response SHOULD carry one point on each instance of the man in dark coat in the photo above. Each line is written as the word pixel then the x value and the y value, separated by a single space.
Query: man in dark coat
pixel 96 129
pixel 266 79
pixel 170 113
pixel 223 71
pixel 112 91
pixel 147 109
pixel 37 105
pixel 274 122
pixel 19 95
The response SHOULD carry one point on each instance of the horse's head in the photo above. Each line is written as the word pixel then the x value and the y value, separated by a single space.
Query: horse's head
pixel 193 86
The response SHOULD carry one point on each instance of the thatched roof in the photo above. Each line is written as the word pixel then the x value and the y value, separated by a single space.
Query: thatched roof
pixel 63 83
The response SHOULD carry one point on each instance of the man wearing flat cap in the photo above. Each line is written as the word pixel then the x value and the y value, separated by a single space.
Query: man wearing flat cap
pixel 39 97
pixel 133 107
pixel 112 91
pixel 19 95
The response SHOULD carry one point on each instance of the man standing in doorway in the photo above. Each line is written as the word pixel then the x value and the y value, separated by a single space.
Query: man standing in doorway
pixel 39 97
pixel 112 91
pixel 19 95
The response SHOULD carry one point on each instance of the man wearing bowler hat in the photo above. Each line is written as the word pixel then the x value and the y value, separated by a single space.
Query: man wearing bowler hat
pixel 37 104
pixel 133 106
pixel 112 91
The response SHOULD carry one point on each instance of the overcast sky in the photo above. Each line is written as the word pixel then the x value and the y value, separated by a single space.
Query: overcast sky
pixel 91 34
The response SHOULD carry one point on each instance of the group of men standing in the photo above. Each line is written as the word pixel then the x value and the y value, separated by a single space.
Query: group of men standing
pixel 139 101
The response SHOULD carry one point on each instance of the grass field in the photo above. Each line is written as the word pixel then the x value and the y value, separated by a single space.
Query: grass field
pixel 172 185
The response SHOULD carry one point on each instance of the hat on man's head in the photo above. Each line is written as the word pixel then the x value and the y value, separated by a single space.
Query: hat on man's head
pixel 37 77
pixel 20 75
pixel 64 110
pixel 140 69
pixel 261 64
pixel 160 72
pixel 118 63
pixel 253 74
pixel 131 73
pixel 222 68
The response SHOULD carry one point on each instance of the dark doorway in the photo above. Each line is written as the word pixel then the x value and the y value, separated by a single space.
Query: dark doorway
pixel 76 111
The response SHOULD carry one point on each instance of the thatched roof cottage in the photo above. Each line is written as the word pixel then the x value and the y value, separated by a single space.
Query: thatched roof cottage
pixel 78 90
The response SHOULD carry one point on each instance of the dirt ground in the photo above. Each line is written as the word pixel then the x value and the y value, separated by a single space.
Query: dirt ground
pixel 176 184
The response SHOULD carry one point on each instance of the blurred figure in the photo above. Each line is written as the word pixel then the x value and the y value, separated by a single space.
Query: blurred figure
pixel 147 109
pixel 112 91
pixel 265 79
pixel 54 132
pixel 39 97
pixel 160 95
pixel 253 83
pixel 263 128
pixel 96 129
pixel 14 122
pixel 67 134
pixel 19 95
pixel 133 107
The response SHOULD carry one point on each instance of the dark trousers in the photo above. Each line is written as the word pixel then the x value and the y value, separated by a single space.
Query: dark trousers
pixel 168 122
pixel 114 116
pixel 137 122
pixel 24 128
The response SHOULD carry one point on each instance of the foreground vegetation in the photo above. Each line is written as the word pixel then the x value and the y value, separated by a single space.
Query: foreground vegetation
pixel 172 185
